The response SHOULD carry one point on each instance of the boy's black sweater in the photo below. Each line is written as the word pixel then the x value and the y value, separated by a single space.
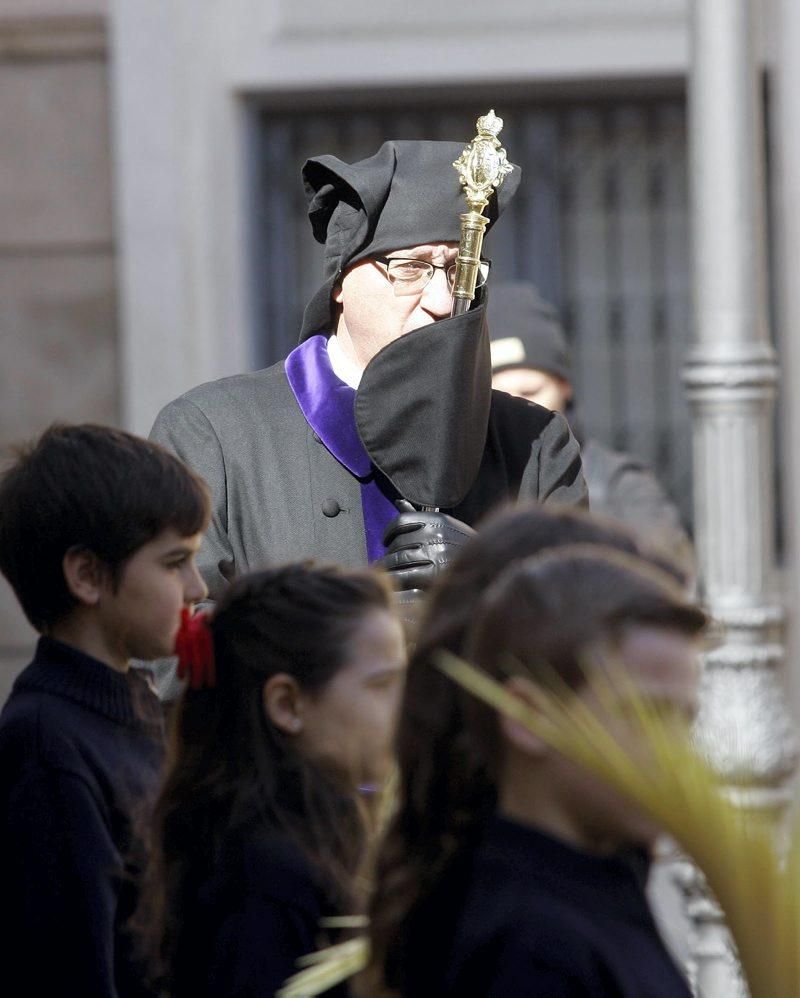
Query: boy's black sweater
pixel 81 747
pixel 539 919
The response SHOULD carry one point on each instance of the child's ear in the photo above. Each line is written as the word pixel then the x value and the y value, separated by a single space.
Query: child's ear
pixel 84 575
pixel 283 703
pixel 515 732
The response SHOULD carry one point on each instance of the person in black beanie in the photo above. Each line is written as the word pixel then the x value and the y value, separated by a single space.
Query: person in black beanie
pixel 98 533
pixel 386 400
pixel 531 360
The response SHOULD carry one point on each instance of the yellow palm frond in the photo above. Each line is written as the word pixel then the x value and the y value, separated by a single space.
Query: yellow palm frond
pixel 326 968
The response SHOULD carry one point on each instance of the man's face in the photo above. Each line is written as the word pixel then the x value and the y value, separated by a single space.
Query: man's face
pixel 536 386
pixel 372 315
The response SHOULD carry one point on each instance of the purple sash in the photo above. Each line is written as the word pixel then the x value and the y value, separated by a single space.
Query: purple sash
pixel 328 405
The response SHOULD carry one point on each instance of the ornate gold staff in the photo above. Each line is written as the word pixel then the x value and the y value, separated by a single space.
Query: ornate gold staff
pixel 482 167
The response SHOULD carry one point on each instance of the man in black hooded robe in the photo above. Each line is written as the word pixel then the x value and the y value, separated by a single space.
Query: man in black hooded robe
pixel 386 398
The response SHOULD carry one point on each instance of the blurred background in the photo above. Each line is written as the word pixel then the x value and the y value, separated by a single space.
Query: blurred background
pixel 152 220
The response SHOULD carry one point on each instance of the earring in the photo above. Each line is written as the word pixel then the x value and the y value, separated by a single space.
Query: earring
pixel 296 724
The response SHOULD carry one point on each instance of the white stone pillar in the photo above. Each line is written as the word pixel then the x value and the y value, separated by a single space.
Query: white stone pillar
pixel 785 119
pixel 731 377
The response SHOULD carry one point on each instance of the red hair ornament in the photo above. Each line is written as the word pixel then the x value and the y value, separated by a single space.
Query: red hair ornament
pixel 194 646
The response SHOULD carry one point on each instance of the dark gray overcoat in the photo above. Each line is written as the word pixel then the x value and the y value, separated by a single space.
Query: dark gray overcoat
pixel 279 495
pixel 623 488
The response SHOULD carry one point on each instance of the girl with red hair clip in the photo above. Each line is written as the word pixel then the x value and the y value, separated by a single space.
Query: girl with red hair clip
pixel 286 723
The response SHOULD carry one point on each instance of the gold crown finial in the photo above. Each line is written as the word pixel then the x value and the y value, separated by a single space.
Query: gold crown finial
pixel 490 125
pixel 482 165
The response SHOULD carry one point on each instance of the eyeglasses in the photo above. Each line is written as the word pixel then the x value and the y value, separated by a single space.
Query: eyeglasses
pixel 409 276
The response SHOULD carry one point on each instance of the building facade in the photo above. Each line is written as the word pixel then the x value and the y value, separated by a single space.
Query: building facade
pixel 59 334
pixel 152 225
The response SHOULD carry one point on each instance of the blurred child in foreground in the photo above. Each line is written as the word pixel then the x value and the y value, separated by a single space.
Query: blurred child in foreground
pixel 260 828
pixel 98 533
pixel 508 870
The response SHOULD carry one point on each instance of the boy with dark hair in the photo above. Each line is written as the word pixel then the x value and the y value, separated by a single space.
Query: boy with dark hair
pixel 98 535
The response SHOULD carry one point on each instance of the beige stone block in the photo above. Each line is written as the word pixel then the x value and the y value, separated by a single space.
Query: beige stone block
pixel 75 34
pixel 15 631
pixel 12 662
pixel 28 9
pixel 17 640
pixel 58 347
pixel 55 170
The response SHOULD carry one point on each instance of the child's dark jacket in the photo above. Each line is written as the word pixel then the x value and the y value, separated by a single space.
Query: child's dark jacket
pixel 252 917
pixel 80 753
pixel 539 919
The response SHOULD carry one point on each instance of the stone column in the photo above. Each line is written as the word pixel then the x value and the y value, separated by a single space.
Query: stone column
pixel 731 377
pixel 785 115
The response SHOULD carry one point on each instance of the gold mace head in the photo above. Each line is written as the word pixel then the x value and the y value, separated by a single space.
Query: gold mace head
pixel 483 164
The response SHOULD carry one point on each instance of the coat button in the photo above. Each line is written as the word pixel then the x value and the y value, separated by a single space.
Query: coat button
pixel 331 507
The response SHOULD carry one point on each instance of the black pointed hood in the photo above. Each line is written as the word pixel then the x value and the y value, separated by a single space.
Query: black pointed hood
pixel 407 194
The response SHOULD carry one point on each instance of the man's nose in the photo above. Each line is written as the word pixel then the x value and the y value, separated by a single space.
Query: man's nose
pixel 436 297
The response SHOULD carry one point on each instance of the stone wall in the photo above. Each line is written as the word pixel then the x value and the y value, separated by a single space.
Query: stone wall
pixel 58 339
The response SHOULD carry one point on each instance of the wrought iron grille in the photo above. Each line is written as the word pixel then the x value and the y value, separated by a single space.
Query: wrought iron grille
pixel 599 224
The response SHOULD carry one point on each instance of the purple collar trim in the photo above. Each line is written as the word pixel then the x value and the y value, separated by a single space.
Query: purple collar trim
pixel 327 403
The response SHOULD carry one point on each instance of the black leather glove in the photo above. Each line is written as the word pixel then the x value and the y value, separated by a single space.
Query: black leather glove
pixel 420 546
